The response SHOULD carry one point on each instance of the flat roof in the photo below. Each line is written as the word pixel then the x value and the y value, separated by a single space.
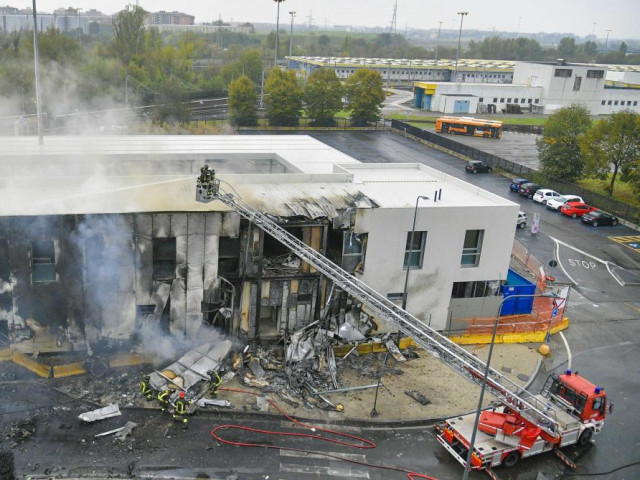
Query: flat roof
pixel 157 173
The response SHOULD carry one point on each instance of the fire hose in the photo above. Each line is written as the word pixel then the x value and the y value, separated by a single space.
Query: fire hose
pixel 344 439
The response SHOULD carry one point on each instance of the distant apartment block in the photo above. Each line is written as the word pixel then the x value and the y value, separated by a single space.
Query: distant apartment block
pixel 63 19
pixel 170 18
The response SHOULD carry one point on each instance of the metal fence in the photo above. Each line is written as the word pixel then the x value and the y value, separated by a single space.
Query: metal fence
pixel 615 207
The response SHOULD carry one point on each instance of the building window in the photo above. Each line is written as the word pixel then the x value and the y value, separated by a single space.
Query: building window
pixel 530 100
pixel 609 102
pixel 635 103
pixel 563 72
pixel 537 100
pixel 604 102
pixel 502 100
pixel 472 248
pixel 595 73
pixel 615 102
pixel 481 100
pixel 483 288
pixel 508 100
pixel 414 254
pixel 43 261
pixel 628 103
pixel 353 251
pixel 164 258
pixel 576 84
pixel 495 99
pixel 228 255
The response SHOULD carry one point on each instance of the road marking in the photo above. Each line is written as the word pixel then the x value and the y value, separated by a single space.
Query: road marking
pixel 296 454
pixel 324 471
pixel 606 263
pixel 566 345
pixel 629 241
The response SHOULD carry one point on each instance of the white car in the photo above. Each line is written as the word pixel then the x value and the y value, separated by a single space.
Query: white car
pixel 556 202
pixel 544 195
pixel 522 219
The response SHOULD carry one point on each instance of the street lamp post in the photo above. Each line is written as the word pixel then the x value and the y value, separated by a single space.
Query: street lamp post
pixel 35 60
pixel 277 31
pixel 462 14
pixel 467 467
pixel 440 22
pixel 606 42
pixel 518 32
pixel 293 14
pixel 413 231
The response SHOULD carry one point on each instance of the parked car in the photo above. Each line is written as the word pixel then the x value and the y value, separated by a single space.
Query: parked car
pixel 544 195
pixel 556 202
pixel 528 189
pixel 476 166
pixel 522 219
pixel 576 209
pixel 515 184
pixel 598 217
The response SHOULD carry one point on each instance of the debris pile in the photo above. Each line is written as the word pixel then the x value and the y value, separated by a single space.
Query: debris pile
pixel 21 431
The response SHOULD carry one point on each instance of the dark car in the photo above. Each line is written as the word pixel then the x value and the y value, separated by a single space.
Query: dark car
pixel 516 182
pixel 528 189
pixel 476 166
pixel 598 217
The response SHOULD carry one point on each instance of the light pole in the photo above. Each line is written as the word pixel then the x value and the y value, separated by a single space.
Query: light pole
pixel 35 60
pixel 277 31
pixel 606 43
pixel 413 231
pixel 462 14
pixel 593 32
pixel 518 32
pixel 440 22
pixel 293 14
pixel 467 467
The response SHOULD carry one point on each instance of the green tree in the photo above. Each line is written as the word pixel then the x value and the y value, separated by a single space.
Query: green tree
pixel 567 48
pixel 365 96
pixel 127 27
pixel 284 98
pixel 590 49
pixel 323 96
pixel 559 152
pixel 614 141
pixel 323 42
pixel 242 102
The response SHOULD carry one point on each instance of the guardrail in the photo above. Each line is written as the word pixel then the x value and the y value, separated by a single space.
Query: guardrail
pixel 603 202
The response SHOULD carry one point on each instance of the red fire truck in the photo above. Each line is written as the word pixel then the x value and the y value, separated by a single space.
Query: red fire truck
pixel 574 409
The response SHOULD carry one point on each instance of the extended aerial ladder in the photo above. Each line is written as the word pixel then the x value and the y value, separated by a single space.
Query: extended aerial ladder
pixel 508 392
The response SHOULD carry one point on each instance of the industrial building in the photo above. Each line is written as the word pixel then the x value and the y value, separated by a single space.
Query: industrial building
pixel 101 237
pixel 538 87
pixel 63 19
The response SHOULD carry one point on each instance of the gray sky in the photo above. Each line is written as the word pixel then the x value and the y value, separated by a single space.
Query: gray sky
pixel 565 16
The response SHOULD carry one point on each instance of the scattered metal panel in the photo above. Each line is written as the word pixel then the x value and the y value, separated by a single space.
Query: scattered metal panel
pixel 195 264
pixel 179 224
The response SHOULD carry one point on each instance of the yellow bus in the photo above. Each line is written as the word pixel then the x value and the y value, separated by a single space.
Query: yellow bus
pixel 475 127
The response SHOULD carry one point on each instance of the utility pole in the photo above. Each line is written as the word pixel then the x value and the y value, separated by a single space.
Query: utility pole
pixel 518 32
pixel 593 32
pixel 293 14
pixel 394 18
pixel 440 22
pixel 606 43
pixel 277 30
pixel 35 59
pixel 462 14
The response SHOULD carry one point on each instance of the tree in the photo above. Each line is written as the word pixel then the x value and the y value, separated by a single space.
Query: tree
pixel 567 48
pixel 365 96
pixel 242 102
pixel 284 98
pixel 614 141
pixel 323 96
pixel 559 153
pixel 323 42
pixel 127 27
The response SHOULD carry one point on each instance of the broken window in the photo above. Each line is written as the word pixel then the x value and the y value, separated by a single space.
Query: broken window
pixel 228 255
pixel 472 248
pixel 353 251
pixel 43 261
pixel 484 288
pixel 414 252
pixel 273 247
pixel 164 258
pixel 576 84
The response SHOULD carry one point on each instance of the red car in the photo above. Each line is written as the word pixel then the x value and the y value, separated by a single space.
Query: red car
pixel 576 209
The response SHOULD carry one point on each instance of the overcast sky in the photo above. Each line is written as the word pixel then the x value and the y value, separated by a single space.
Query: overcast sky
pixel 565 16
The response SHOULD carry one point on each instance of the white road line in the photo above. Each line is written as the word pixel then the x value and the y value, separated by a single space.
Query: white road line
pixel 612 274
pixel 566 345
pixel 350 456
pixel 324 471
pixel 560 261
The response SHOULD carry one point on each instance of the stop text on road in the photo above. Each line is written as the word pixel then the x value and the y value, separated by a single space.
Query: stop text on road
pixel 574 262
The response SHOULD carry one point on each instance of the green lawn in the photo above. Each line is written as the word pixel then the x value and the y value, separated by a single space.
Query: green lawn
pixel 621 191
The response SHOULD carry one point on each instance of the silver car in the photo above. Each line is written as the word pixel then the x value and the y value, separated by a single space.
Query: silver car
pixel 556 202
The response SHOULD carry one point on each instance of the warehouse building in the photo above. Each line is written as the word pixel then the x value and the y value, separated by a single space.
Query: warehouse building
pixel 102 237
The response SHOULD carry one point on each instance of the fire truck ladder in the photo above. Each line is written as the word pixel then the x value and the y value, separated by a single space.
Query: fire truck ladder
pixel 466 364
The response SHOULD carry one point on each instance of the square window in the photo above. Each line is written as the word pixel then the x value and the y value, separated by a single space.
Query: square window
pixel 537 100
pixel 604 102
pixel 609 102
pixel 522 100
pixel 530 100
pixel 508 100
pixel 616 102
pixel 495 100
pixel 635 103
pixel 164 258
pixel 502 100
pixel 414 251
pixel 481 100
pixel 43 261
pixel 628 102
pixel 472 248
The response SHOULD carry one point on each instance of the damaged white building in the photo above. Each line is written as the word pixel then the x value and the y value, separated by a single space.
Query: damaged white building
pixel 100 236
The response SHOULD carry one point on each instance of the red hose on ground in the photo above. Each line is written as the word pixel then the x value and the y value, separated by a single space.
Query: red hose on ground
pixel 359 441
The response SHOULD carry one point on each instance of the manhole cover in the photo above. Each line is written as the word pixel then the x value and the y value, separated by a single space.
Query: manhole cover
pixel 523 377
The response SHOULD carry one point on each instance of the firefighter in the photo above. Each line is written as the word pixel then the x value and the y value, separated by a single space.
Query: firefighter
pixel 215 384
pixel 181 409
pixel 146 389
pixel 163 397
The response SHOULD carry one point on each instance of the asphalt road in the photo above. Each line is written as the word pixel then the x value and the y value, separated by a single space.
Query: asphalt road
pixel 602 342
